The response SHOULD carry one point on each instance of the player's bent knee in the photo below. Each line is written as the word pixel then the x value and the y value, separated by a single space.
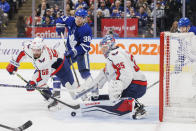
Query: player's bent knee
pixel 85 73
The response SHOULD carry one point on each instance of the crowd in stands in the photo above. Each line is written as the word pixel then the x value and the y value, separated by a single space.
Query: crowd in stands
pixel 8 8
pixel 167 11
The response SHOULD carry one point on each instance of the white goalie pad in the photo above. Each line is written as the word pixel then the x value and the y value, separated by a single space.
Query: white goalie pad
pixel 108 109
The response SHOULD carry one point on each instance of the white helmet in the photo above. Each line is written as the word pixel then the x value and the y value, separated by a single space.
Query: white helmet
pixel 37 43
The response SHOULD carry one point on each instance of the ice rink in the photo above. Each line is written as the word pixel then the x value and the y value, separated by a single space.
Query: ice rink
pixel 18 106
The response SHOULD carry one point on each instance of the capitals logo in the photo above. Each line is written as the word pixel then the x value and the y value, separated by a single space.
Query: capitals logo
pixel 41 61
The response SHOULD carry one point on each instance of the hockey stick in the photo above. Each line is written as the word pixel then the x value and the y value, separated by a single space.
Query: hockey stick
pixel 49 96
pixel 20 128
pixel 94 86
pixel 20 86
pixel 62 36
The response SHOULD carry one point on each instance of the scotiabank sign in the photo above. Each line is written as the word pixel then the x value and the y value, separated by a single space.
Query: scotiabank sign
pixel 117 25
pixel 44 32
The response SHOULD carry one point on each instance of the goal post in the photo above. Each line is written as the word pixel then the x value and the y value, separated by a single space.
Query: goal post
pixel 177 87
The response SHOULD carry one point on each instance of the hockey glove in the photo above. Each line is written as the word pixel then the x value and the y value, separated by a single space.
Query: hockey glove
pixel 70 53
pixel 31 85
pixel 12 66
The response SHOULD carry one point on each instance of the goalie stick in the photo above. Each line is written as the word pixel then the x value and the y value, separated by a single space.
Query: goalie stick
pixel 20 128
pixel 94 86
pixel 47 95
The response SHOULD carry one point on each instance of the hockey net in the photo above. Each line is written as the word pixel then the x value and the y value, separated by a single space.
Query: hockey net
pixel 177 96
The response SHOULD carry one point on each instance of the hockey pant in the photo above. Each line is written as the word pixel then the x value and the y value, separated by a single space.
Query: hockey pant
pixel 65 74
pixel 83 65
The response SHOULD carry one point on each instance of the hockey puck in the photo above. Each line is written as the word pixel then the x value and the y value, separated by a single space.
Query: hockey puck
pixel 73 114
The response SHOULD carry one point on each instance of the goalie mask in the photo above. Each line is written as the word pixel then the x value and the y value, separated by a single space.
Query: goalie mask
pixel 107 44
pixel 37 47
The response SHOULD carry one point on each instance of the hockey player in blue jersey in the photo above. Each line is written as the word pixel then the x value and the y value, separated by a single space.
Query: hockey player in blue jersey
pixel 184 25
pixel 78 40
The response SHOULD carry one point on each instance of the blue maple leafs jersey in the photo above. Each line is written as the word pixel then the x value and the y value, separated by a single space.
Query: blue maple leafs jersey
pixel 79 37
pixel 193 29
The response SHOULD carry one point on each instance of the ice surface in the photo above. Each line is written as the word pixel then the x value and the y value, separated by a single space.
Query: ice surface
pixel 18 106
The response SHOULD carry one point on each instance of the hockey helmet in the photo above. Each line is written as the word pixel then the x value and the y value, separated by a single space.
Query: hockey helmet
pixel 183 22
pixel 37 43
pixel 81 12
pixel 108 40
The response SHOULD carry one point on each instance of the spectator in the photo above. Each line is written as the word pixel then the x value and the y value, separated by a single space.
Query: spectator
pixel 104 9
pixel 173 11
pixel 139 4
pixel 56 8
pixel 107 3
pixel 81 4
pixel 67 9
pixel 5 7
pixel 41 11
pixel 129 5
pixel 2 21
pixel 43 1
pixel 91 9
pixel 147 9
pixel 159 11
pixel 47 22
pixel 21 27
pixel 143 17
pixel 160 17
pixel 117 9
pixel 174 27
pixel 70 3
pixel 100 15
pixel 72 12
pixel 131 13
pixel 90 19
pixel 193 10
pixel 115 13
pixel 53 14
pixel 49 14
pixel 37 18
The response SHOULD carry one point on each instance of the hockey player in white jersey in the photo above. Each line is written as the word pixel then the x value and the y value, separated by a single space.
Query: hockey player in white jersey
pixel 48 63
pixel 126 83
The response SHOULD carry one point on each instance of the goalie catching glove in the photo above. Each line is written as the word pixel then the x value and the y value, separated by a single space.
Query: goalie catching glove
pixel 31 85
pixel 115 89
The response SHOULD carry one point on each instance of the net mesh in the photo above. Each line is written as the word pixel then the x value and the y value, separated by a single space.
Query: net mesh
pixel 179 84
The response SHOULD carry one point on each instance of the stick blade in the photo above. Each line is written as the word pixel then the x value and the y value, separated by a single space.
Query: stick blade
pixel 24 126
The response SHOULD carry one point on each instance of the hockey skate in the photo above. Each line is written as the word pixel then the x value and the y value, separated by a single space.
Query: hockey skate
pixel 54 105
pixel 140 112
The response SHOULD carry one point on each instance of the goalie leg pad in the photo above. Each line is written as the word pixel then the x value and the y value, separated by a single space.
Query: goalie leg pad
pixel 120 108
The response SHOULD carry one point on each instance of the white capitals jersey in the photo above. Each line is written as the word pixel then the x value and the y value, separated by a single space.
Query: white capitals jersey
pixel 42 65
pixel 123 65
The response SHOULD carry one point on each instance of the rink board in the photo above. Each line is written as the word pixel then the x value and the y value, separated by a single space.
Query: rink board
pixel 146 52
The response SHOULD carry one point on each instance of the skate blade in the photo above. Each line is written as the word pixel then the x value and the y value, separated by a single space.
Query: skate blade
pixel 55 108
pixel 140 116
